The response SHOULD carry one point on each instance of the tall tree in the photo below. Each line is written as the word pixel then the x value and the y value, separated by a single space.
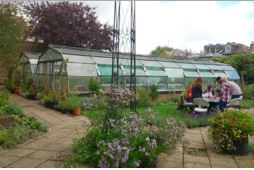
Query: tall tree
pixel 243 63
pixel 12 28
pixel 161 51
pixel 65 23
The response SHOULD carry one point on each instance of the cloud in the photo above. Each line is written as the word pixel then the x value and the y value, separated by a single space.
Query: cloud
pixel 186 25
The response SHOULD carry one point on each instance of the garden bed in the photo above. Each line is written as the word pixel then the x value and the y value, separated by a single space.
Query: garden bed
pixel 15 127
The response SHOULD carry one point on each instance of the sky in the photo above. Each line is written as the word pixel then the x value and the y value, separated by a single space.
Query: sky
pixel 184 24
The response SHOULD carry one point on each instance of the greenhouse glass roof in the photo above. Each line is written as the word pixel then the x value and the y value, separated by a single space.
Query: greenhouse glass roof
pixel 151 63
pixel 191 73
pixel 174 72
pixel 170 64
pixel 77 58
pixel 187 65
pixel 232 74
pixel 86 62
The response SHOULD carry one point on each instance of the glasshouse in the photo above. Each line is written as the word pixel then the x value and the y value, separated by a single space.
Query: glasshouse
pixel 71 68
pixel 28 63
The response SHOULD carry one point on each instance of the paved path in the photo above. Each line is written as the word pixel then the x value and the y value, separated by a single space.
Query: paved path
pixel 44 150
pixel 199 154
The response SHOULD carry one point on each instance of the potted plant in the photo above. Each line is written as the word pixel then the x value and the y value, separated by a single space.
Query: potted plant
pixel 50 100
pixel 229 131
pixel 71 104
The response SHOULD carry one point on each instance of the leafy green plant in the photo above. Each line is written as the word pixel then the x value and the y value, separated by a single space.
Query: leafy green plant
pixel 124 139
pixel 4 99
pixel 12 136
pixel 70 103
pixel 230 126
pixel 9 85
pixel 12 109
pixel 33 124
pixel 94 85
pixel 248 91
pixel 154 91
pixel 143 99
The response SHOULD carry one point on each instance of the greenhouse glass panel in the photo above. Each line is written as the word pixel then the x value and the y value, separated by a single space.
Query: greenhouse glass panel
pixel 33 61
pixel 78 69
pixel 77 58
pixel 127 62
pixel 219 73
pixel 190 73
pixel 170 64
pixel 174 72
pixel 216 67
pixel 139 71
pixel 186 66
pixel 206 73
pixel 202 66
pixel 150 63
pixel 102 60
pixel 232 75
pixel 105 70
pixel 230 68
pixel 155 71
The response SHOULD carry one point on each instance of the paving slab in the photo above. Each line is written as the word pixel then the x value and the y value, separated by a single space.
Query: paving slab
pixel 196 165
pixel 196 159
pixel 245 161
pixel 223 162
pixel 41 154
pixel 49 164
pixel 19 152
pixel 27 163
pixel 7 160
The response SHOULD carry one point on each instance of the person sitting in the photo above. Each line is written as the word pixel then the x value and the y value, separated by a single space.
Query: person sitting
pixel 234 90
pixel 209 92
pixel 197 88
pixel 189 94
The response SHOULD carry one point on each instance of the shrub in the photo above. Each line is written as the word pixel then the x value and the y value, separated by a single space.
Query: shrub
pixel 124 139
pixel 33 124
pixel 70 103
pixel 248 91
pixel 174 98
pixel 9 85
pixel 12 109
pixel 4 99
pixel 97 102
pixel 94 85
pixel 12 136
pixel 143 99
pixel 230 126
pixel 154 91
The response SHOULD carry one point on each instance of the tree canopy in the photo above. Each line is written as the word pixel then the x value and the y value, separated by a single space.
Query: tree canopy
pixel 243 63
pixel 12 28
pixel 161 51
pixel 65 23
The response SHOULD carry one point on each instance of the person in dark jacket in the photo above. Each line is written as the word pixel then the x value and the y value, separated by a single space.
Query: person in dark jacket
pixel 197 88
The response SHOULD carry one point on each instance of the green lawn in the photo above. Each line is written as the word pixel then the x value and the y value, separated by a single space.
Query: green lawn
pixel 247 103
pixel 164 110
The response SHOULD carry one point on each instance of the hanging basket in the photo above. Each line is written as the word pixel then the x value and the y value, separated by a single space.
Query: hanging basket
pixel 241 147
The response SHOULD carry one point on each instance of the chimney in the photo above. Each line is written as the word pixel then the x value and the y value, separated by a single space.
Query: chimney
pixel 252 47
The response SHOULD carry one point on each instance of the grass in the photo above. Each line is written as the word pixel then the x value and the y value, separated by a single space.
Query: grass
pixel 164 110
pixel 251 148
pixel 247 103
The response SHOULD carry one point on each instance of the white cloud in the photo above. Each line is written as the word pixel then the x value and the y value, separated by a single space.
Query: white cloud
pixel 185 24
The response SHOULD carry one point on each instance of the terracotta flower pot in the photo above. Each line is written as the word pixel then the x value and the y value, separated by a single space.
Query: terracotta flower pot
pixel 16 90
pixel 76 111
